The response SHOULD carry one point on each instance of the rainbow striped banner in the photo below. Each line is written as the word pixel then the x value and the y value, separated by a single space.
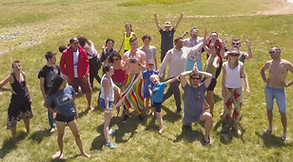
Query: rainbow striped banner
pixel 132 96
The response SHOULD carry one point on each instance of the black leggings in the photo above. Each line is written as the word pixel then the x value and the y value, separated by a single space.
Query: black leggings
pixel 95 66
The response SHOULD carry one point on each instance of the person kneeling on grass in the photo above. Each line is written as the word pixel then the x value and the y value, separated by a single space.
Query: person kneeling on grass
pixel 62 96
pixel 157 93
pixel 107 99
pixel 194 100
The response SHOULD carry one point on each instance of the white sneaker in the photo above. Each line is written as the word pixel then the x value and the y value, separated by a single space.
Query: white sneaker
pixel 52 130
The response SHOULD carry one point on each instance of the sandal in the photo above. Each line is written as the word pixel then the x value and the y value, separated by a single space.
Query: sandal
pixel 284 137
pixel 268 131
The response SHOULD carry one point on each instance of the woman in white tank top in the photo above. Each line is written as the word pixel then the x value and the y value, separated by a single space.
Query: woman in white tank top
pixel 107 99
pixel 232 88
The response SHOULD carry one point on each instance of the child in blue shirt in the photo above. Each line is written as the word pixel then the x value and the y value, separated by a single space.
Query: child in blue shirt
pixel 146 77
pixel 157 93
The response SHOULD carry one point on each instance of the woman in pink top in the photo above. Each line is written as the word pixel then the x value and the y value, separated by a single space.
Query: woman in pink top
pixel 118 77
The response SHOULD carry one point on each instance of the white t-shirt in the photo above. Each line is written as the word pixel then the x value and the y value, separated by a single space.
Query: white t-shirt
pixel 75 63
pixel 233 77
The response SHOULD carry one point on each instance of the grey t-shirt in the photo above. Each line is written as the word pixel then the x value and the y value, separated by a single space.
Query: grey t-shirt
pixel 193 103
pixel 150 53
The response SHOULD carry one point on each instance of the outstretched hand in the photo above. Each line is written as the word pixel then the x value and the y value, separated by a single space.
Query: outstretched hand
pixel 248 42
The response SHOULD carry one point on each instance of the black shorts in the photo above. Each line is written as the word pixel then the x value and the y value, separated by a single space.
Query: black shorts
pixel 157 106
pixel 212 85
pixel 61 118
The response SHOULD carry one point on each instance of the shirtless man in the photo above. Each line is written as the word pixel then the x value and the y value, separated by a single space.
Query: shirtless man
pixel 135 62
pixel 278 70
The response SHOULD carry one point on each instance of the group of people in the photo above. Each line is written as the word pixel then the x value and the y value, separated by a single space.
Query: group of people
pixel 135 79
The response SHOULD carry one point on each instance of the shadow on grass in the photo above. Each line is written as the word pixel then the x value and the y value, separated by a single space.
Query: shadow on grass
pixel 7 146
pixel 170 115
pixel 124 132
pixel 228 133
pixel 38 136
pixel 271 140
pixel 189 135
pixel 152 125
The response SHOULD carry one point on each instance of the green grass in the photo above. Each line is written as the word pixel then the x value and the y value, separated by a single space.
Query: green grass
pixel 53 23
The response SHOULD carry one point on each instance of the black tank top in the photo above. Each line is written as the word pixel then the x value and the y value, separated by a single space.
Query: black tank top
pixel 20 88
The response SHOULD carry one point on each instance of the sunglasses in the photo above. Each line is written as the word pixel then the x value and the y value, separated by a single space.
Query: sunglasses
pixel 234 55
pixel 115 59
pixel 272 52
pixel 194 78
pixel 235 44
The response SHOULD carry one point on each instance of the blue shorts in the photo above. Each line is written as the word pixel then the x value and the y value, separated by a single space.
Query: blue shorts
pixel 146 93
pixel 102 102
pixel 189 65
pixel 157 106
pixel 279 94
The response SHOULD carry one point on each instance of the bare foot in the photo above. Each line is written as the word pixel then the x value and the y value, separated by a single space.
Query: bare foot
pixel 58 155
pixel 91 108
pixel 85 155
pixel 15 140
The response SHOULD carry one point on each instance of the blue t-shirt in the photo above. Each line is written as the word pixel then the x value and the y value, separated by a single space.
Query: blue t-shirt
pixel 158 92
pixel 63 100
pixel 146 76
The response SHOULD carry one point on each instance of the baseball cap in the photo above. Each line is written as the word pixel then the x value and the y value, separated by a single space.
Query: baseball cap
pixel 150 62
pixel 73 40
pixel 167 23
pixel 234 50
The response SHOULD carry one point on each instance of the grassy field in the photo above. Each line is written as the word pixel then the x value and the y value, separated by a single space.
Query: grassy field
pixel 30 28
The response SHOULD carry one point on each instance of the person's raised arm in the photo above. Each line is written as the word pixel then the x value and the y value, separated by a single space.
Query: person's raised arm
pixel 156 21
pixel 222 51
pixel 178 22
pixel 250 53
pixel 183 79
pixel 208 78
pixel 184 34
pixel 168 82
pixel 206 38
pixel 122 43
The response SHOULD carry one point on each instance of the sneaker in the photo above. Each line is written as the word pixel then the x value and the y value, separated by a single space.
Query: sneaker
pixel 207 143
pixel 125 118
pixel 110 145
pixel 52 130
pixel 111 131
pixel 284 137
pixel 140 117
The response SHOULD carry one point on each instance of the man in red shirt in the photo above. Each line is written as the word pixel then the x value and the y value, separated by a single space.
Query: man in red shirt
pixel 75 65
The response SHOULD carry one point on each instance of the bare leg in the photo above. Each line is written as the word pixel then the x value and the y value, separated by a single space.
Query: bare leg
pixel 147 105
pixel 88 96
pixel 116 96
pixel 208 122
pixel 27 125
pixel 60 129
pixel 284 123
pixel 210 97
pixel 13 132
pixel 74 129
pixel 106 125
pixel 158 114
pixel 270 119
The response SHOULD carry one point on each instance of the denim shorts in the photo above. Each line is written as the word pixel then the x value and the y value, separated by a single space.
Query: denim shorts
pixel 157 106
pixel 103 104
pixel 279 94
